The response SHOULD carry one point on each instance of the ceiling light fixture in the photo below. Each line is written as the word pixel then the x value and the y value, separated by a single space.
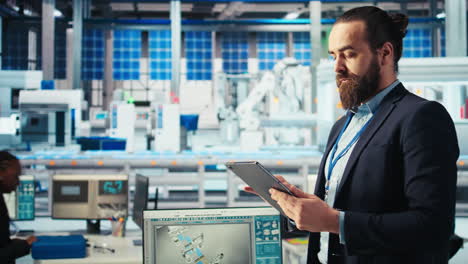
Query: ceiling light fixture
pixel 296 13
pixel 292 15
pixel 57 13
pixel 441 15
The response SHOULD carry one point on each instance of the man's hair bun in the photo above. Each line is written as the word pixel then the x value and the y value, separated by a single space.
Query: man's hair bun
pixel 400 23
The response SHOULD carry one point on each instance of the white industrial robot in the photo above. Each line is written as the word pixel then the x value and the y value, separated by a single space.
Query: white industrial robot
pixel 284 89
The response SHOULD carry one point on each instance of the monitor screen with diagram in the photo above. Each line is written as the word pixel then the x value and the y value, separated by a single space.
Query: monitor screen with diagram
pixel 225 235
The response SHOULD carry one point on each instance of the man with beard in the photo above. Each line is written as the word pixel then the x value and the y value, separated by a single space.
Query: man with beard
pixel 10 249
pixel 385 191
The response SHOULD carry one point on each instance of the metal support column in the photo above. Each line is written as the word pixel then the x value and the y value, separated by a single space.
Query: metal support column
pixel 435 39
pixel 315 9
pixel 48 35
pixel 108 83
pixel 77 42
pixel 176 33
pixel 290 45
pixel 218 55
pixel 69 59
pixel 455 28
pixel 253 54
pixel 87 86
pixel 217 46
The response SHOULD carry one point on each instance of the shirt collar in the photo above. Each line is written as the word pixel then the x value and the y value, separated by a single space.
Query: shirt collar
pixel 373 104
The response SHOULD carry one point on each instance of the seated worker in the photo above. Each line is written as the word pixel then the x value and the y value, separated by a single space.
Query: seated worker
pixel 10 249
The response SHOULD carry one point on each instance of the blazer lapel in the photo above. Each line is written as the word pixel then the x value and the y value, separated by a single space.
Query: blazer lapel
pixel 386 107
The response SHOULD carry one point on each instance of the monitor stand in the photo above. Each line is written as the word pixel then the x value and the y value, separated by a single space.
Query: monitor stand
pixel 93 226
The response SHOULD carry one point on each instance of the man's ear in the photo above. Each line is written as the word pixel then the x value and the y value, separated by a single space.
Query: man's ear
pixel 386 54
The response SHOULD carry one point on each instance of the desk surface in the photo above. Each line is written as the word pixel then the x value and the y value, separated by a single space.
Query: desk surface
pixel 125 251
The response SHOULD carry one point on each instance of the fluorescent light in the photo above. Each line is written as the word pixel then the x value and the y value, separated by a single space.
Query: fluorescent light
pixel 440 15
pixel 292 15
pixel 57 13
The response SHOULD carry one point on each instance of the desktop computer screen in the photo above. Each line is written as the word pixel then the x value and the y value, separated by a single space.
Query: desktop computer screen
pixel 140 199
pixel 208 236
pixel 89 196
pixel 20 203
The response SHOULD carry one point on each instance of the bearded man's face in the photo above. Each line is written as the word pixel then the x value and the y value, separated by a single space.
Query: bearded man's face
pixel 354 89
pixel 356 64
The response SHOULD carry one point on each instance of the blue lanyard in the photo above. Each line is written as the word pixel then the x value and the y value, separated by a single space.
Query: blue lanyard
pixel 333 161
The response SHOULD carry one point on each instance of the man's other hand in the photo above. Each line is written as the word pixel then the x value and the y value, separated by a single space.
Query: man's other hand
pixel 31 240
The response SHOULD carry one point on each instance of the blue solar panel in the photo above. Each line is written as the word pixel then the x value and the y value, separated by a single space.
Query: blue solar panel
pixel 302 47
pixel 127 53
pixel 160 55
pixel 271 47
pixel 235 52
pixel 92 55
pixel 60 64
pixel 417 43
pixel 199 54
pixel 15 48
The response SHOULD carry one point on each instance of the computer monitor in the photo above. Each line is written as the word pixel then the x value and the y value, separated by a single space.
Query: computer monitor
pixel 89 196
pixel 20 203
pixel 227 235
pixel 140 199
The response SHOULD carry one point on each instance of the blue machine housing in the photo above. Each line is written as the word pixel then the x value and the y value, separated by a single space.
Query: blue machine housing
pixel 59 247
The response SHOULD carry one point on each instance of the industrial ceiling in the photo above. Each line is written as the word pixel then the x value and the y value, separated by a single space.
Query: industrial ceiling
pixel 222 9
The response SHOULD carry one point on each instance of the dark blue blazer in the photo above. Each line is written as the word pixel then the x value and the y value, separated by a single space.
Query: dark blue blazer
pixel 398 187
pixel 10 249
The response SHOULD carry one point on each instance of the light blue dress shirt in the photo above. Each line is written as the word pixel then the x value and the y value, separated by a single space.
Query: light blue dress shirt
pixel 363 114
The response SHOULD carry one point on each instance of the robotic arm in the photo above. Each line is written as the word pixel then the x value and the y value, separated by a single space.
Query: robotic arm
pixel 282 81
pixel 248 117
